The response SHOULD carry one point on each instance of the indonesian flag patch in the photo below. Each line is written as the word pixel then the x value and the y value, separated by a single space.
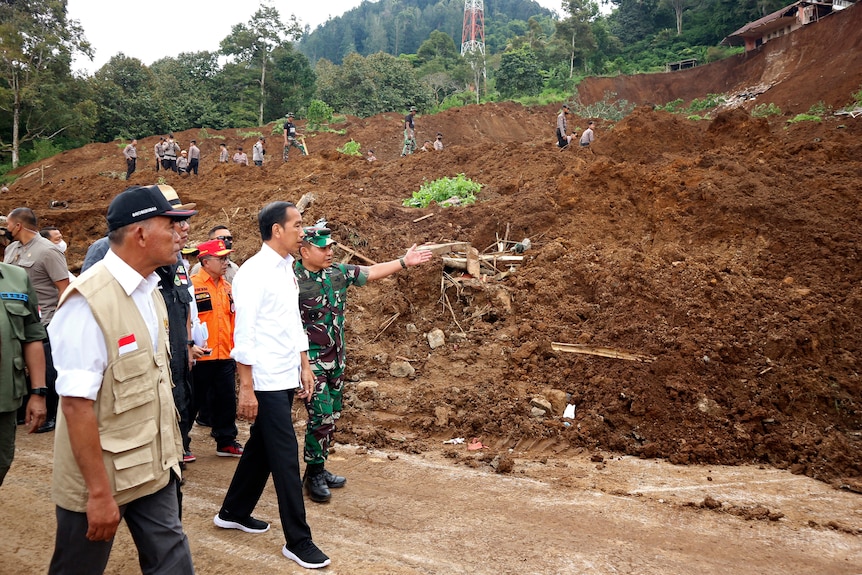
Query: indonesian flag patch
pixel 127 343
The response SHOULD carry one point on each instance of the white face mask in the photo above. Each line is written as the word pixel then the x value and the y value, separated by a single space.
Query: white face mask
pixel 62 245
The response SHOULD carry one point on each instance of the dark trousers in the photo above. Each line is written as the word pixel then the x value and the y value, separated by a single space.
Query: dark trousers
pixel 215 382
pixel 271 449
pixel 130 166
pixel 562 142
pixel 153 521
pixel 193 166
pixel 158 163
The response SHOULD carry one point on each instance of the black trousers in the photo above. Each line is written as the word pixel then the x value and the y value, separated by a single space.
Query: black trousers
pixel 271 450
pixel 561 139
pixel 193 166
pixel 215 382
pixel 130 166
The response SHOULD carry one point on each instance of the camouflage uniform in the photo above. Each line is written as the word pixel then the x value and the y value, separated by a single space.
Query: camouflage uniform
pixel 290 134
pixel 322 297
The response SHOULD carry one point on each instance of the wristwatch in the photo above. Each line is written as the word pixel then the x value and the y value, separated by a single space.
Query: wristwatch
pixel 43 391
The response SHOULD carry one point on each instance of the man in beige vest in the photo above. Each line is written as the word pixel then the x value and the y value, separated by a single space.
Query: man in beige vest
pixel 117 447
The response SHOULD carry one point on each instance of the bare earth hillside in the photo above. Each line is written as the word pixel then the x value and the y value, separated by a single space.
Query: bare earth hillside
pixel 728 250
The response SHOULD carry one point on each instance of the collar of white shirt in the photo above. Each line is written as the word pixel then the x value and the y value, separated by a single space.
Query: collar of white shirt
pixel 128 278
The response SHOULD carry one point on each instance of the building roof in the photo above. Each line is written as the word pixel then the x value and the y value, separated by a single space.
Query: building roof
pixel 769 23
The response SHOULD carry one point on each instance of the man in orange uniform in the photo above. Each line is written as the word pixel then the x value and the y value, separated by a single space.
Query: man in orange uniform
pixel 214 374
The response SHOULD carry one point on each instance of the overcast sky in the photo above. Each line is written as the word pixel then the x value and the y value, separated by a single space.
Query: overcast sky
pixel 152 30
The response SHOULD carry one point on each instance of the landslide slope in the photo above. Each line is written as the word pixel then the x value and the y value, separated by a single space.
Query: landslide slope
pixel 728 250
pixel 821 62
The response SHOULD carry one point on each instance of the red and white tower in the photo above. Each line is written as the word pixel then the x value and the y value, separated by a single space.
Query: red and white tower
pixel 473 39
pixel 473 35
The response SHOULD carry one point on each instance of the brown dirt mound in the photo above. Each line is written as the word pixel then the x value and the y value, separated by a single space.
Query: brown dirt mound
pixel 726 249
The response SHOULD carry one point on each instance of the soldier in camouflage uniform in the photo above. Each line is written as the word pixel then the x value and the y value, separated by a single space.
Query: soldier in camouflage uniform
pixel 322 297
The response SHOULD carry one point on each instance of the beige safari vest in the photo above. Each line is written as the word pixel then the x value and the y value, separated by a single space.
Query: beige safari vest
pixel 138 423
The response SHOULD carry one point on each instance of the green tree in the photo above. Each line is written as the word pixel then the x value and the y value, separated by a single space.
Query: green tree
pixel 293 83
pixel 252 43
pixel 438 46
pixel 575 32
pixel 519 74
pixel 125 91
pixel 37 42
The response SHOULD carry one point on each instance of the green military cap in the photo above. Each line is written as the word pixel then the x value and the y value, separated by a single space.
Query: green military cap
pixel 320 237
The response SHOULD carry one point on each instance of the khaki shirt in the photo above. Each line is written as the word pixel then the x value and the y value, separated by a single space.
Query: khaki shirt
pixel 46 265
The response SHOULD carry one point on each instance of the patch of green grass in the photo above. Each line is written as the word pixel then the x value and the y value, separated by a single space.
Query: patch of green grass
pixel 443 189
pixel 765 110
pixel 203 134
pixel 803 118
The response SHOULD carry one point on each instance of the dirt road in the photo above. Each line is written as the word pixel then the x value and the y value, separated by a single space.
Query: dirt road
pixel 445 513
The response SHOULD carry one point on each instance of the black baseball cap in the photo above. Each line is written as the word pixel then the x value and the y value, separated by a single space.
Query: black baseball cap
pixel 139 203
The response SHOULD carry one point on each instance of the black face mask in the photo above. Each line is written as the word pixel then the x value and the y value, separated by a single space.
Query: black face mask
pixel 228 241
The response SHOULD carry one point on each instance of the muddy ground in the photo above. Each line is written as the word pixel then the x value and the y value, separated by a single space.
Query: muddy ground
pixel 726 249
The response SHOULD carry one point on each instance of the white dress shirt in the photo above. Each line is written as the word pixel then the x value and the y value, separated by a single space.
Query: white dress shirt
pixel 268 334
pixel 77 342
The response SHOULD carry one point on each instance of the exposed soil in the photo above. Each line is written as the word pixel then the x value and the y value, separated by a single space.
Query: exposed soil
pixel 727 249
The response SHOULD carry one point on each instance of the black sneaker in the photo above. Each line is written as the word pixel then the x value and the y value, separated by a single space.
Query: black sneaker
pixel 316 487
pixel 334 481
pixel 306 554
pixel 248 524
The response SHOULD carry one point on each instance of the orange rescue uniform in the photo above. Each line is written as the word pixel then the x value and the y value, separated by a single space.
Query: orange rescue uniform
pixel 217 310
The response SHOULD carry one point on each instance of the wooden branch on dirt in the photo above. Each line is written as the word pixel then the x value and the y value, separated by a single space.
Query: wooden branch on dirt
pixel 305 201
pixel 462 263
pixel 425 217
pixel 386 325
pixel 473 267
pixel 356 254
pixel 601 351
pixel 438 249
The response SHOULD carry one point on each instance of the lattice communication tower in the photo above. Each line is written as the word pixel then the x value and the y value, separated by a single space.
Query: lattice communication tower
pixel 473 35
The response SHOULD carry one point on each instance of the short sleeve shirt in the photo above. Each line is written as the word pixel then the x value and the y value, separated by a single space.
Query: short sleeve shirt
pixel 45 264
pixel 322 298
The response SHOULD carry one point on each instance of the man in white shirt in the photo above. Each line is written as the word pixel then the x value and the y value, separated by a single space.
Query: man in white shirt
pixel 270 348
pixel 117 446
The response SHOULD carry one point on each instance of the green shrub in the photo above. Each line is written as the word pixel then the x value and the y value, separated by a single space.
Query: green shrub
pixel 707 103
pixel 351 148
pixel 857 97
pixel 439 191
pixel 673 107
pixel 319 114
pixel 694 117
pixel 819 109
pixel 803 118
pixel 764 110
pixel 609 108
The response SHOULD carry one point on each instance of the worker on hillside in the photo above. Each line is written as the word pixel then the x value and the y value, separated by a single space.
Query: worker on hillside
pixel 257 152
pixel 223 154
pixel 322 297
pixel 438 143
pixel 130 152
pixel 159 152
pixel 194 157
pixel 240 157
pixel 409 132
pixel 291 138
pixel 588 137
pixel 563 137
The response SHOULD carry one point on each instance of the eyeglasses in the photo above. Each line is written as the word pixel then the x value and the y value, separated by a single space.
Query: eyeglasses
pixel 182 223
pixel 225 238
pixel 219 258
